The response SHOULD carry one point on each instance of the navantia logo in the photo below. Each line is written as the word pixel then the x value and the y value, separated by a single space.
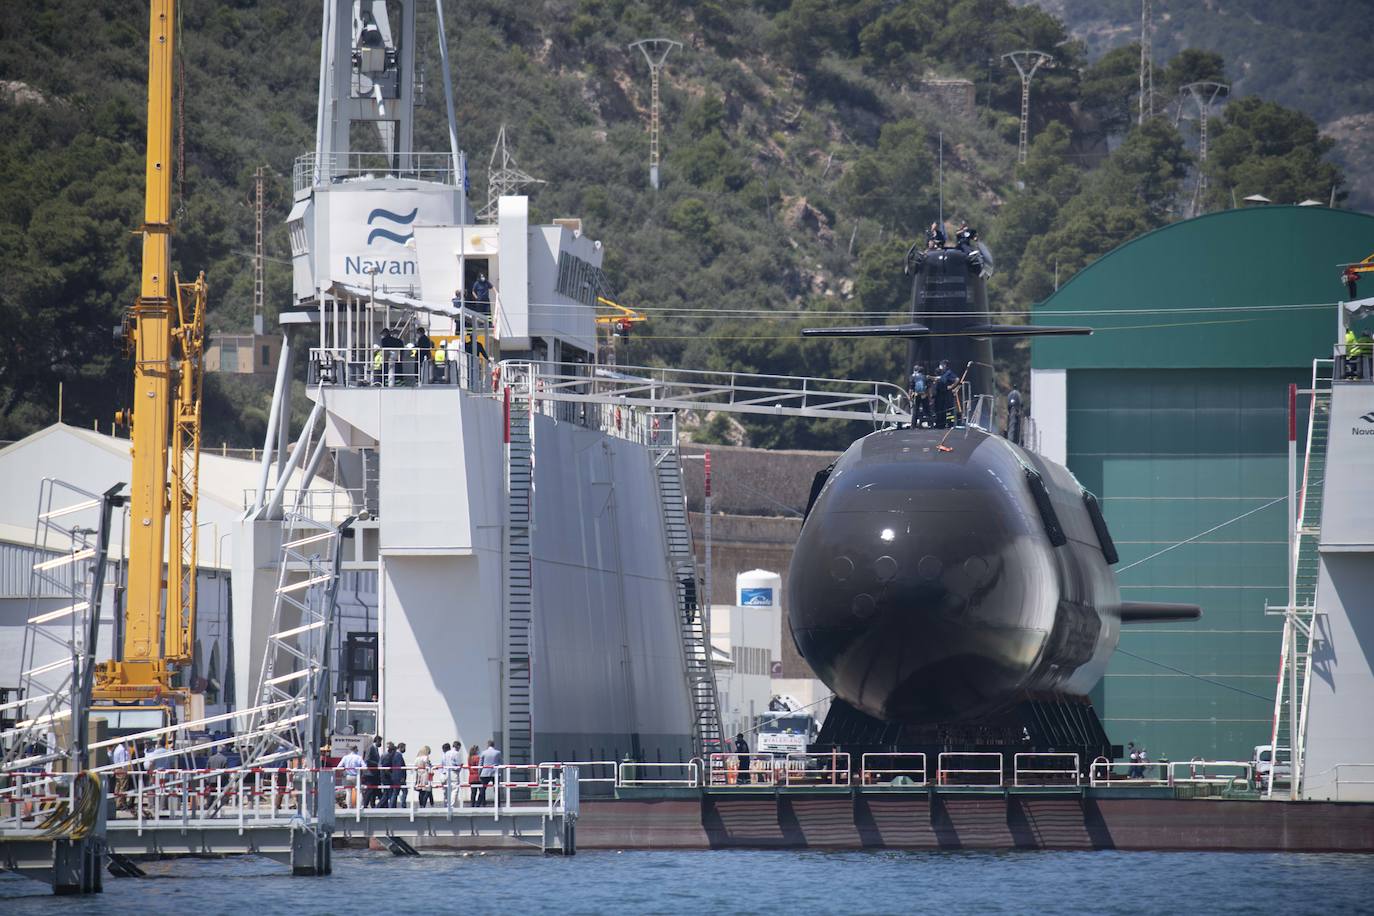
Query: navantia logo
pixel 392 224
pixel 1369 417
pixel 1364 430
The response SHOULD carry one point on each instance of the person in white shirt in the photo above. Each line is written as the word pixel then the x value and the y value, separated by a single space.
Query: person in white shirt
pixel 351 764
pixel 451 761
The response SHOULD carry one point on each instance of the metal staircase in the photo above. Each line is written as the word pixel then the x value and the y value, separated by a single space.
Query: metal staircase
pixel 295 688
pixel 57 663
pixel 518 581
pixel 1295 664
pixel 692 604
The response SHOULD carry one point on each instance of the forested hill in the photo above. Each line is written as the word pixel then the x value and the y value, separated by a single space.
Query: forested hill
pixel 1313 56
pixel 802 142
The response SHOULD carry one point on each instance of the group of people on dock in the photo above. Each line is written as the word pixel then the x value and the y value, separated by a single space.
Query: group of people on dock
pixel 380 777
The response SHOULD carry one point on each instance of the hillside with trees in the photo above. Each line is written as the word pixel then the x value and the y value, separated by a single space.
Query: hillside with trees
pixel 802 144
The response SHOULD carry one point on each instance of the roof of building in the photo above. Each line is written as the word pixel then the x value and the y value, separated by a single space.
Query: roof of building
pixel 1251 287
pixel 94 462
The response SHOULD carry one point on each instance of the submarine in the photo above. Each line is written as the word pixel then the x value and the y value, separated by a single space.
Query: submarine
pixel 951 586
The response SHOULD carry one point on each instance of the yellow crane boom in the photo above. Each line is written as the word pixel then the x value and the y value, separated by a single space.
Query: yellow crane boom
pixel 167 328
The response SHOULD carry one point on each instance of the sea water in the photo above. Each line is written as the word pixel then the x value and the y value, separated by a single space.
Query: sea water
pixel 737 882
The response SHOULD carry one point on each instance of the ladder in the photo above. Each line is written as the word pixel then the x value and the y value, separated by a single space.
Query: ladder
pixel 57 662
pixel 1295 662
pixel 518 581
pixel 691 603
pixel 295 686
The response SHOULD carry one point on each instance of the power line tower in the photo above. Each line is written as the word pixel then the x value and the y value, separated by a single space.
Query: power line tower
pixel 655 51
pixel 1027 62
pixel 1147 65
pixel 259 252
pixel 1204 94
pixel 504 177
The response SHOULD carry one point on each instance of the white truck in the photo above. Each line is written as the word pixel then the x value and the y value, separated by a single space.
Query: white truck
pixel 1262 761
pixel 786 728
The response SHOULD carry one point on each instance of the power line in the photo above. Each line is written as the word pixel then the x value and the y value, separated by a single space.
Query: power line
pixel 1198 677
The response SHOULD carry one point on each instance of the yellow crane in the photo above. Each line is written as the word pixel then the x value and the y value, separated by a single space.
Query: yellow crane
pixel 166 328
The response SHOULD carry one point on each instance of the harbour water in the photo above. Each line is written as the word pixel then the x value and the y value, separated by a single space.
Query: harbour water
pixel 742 882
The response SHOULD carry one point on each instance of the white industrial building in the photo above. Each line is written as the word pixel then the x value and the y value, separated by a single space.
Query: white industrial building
pixel 95 462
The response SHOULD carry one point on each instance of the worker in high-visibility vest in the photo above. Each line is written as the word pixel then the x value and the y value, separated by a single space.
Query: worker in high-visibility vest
pixel 1352 355
pixel 440 356
pixel 377 364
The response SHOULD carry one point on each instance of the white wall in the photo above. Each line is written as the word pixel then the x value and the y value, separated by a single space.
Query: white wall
pixel 1050 411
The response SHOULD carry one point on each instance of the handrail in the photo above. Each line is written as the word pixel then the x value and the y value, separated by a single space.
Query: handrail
pixel 872 768
pixel 946 775
pixel 1046 774
pixel 1197 772
pixel 1105 772
pixel 629 778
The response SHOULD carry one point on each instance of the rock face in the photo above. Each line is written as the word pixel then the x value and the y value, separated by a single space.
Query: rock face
pixel 18 93
pixel 1354 151
pixel 800 215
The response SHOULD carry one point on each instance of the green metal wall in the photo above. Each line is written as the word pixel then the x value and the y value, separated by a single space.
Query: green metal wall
pixel 1248 288
pixel 1173 454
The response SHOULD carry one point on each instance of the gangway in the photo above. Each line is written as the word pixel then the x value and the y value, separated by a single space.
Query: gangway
pixel 1295 662
pixel 734 392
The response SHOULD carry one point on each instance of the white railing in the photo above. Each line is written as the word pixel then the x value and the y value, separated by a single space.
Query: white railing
pixel 588 770
pixel 830 769
pixel 312 169
pixel 1105 772
pixel 399 367
pixel 969 768
pixel 1203 772
pixel 1045 769
pixel 736 392
pixel 667 775
pixel 438 789
pixel 1332 785
pixel 887 769
pixel 728 769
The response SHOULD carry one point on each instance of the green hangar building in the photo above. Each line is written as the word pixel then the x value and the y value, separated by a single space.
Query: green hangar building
pixel 1175 414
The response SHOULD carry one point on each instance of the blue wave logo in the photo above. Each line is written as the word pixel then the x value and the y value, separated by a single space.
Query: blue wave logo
pixel 390 234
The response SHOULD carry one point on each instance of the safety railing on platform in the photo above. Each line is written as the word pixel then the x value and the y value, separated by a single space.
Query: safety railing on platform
pixel 1104 772
pixel 732 770
pixel 1342 782
pixel 736 392
pixel 602 773
pixel 1205 772
pixel 1354 363
pixel 895 769
pixel 1045 769
pixel 314 169
pixel 403 367
pixel 969 768
pixel 663 775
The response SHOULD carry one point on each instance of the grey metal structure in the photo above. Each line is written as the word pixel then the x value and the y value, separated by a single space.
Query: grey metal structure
pixel 655 51
pixel 50 812
pixel 504 177
pixel 518 588
pixel 1026 63
pixel 1334 756
pixel 1204 94
pixel 693 603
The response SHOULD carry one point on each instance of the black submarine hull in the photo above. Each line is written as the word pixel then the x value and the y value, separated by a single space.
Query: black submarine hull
pixel 948 576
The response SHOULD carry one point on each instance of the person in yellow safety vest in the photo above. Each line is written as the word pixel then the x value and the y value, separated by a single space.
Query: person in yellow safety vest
pixel 1352 355
pixel 440 356
pixel 377 364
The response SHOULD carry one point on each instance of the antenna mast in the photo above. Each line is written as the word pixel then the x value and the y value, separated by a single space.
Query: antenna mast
pixel 259 253
pixel 1204 94
pixel 1033 60
pixel 504 177
pixel 655 51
